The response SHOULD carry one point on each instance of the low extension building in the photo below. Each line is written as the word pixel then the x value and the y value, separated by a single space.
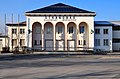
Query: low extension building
pixel 4 42
pixel 17 35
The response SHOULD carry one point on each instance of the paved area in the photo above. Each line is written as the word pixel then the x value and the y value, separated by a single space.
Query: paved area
pixel 60 67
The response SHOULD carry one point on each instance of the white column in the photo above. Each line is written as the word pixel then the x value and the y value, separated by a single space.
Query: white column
pixel 42 37
pixel 77 32
pixel 65 37
pixel 54 37
pixel 29 35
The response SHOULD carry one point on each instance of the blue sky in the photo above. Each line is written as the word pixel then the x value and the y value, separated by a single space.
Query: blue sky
pixel 105 9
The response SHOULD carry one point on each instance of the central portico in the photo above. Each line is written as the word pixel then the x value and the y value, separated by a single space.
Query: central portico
pixel 60 27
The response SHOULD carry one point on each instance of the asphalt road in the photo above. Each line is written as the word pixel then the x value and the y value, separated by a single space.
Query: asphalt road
pixel 60 67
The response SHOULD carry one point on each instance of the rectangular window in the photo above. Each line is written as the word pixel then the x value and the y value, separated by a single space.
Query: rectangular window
pixel 116 40
pixel 78 42
pixel 22 42
pixel 105 31
pixel 14 42
pixel 59 29
pixel 49 30
pixel 97 42
pixel 40 42
pixel 116 28
pixel 106 42
pixel 81 29
pixel 70 30
pixel 84 42
pixel 97 31
pixel 14 31
pixel 35 42
pixel 22 31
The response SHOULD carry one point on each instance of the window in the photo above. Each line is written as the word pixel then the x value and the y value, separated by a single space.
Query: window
pixel 14 42
pixel 84 42
pixel 70 29
pixel 22 31
pixel 49 30
pixel 38 30
pixel 115 28
pixel 35 42
pixel 40 42
pixel 105 42
pixel 22 42
pixel 14 31
pixel 59 29
pixel 78 42
pixel 97 31
pixel 81 29
pixel 105 31
pixel 116 40
pixel 97 42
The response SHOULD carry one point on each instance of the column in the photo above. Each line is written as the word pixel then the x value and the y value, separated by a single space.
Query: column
pixel 65 37
pixel 42 37
pixel 29 34
pixel 77 32
pixel 54 37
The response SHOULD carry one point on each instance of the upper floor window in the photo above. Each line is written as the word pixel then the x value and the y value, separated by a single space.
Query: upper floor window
pixel 37 29
pixel 105 42
pixel 14 31
pixel 105 31
pixel 70 29
pixel 49 30
pixel 22 31
pixel 97 31
pixel 59 29
pixel 81 29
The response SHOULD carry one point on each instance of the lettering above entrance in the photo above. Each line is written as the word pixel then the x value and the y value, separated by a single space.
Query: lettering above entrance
pixel 61 17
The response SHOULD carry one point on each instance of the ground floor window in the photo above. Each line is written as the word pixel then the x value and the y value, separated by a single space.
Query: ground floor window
pixel 105 42
pixel 35 42
pixel 97 42
pixel 14 42
pixel 40 42
pixel 84 42
pixel 22 42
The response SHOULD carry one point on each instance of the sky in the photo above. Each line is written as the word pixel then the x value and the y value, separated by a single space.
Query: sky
pixel 105 9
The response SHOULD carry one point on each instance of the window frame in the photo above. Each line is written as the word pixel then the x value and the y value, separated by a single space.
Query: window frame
pixel 82 29
pixel 49 29
pixel 105 31
pixel 71 30
pixel 97 31
pixel 97 42
pixel 106 42
pixel 60 29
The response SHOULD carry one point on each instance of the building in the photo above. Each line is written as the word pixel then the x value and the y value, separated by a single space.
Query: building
pixel 17 35
pixel 4 42
pixel 62 27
